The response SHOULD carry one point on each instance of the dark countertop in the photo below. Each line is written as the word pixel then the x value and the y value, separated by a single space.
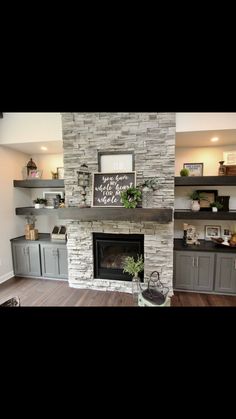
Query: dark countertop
pixel 43 238
pixel 205 246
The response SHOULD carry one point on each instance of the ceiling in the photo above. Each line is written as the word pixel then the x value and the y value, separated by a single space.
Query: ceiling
pixel 203 138
pixel 53 147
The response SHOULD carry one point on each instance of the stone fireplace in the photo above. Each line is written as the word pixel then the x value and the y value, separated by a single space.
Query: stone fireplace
pixel 151 138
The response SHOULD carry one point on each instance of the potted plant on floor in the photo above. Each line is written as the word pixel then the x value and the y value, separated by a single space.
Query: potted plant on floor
pixel 133 267
pixel 39 203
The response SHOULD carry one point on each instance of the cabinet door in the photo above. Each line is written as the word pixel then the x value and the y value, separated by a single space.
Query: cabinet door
pixel 54 261
pixel 62 263
pixel 184 270
pixel 26 259
pixel 225 273
pixel 204 271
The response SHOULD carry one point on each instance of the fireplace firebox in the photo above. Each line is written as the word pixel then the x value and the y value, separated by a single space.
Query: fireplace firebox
pixel 110 251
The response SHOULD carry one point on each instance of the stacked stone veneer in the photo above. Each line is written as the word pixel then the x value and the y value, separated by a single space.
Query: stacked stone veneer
pixel 152 138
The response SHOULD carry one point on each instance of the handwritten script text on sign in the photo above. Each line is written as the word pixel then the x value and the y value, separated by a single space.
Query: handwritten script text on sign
pixel 107 188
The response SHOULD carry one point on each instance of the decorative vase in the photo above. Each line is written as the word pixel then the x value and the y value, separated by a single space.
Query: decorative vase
pixel 135 289
pixel 195 206
pixel 222 168
pixel 147 197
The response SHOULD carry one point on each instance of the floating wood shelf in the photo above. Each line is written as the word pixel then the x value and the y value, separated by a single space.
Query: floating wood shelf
pixel 205 181
pixel 39 183
pixel 204 215
pixel 160 215
pixel 35 211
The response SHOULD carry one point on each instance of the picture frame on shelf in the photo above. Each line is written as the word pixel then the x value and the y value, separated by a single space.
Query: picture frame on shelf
pixel 35 174
pixel 195 169
pixel 210 196
pixel 60 172
pixel 50 196
pixel 212 232
pixel 229 158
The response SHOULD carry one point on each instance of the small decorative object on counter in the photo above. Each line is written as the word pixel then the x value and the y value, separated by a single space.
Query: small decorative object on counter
pixel 29 226
pixel 58 233
pixel 185 235
pixel 34 234
pixel 192 235
pixel 222 168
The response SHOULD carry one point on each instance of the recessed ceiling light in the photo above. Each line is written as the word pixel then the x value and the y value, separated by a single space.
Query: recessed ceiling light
pixel 214 139
pixel 44 148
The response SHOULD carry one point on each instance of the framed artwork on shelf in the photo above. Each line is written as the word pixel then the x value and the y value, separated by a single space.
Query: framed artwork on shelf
pixel 195 169
pixel 209 197
pixel 229 157
pixel 60 172
pixel 50 196
pixel 35 174
pixel 212 232
pixel 116 161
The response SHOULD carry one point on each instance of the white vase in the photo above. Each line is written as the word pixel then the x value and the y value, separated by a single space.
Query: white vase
pixel 195 206
pixel 38 206
pixel 147 197
pixel 214 209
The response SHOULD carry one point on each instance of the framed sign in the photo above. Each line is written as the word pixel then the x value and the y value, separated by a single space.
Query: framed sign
pixel 115 161
pixel 108 186
pixel 195 169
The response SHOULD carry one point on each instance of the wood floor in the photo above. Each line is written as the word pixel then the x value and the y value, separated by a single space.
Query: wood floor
pixel 50 293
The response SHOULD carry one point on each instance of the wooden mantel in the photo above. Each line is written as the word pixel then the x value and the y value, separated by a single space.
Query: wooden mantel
pixel 160 215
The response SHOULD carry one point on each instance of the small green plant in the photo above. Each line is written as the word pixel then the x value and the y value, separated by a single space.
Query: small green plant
pixel 132 266
pixel 40 201
pixel 216 204
pixel 151 183
pixel 184 172
pixel 131 197
pixel 197 196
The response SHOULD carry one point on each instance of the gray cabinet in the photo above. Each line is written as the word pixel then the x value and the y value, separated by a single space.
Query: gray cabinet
pixel 54 260
pixel 225 279
pixel 26 259
pixel 194 270
pixel 43 258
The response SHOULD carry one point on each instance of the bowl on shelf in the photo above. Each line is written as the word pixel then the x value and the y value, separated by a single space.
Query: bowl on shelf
pixel 221 243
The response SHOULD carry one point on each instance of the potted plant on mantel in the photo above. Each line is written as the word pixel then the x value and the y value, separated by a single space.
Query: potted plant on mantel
pixel 39 203
pixel 148 187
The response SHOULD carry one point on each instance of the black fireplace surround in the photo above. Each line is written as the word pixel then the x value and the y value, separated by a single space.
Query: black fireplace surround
pixel 110 250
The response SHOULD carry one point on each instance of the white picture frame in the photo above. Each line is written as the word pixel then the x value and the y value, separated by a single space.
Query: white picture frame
pixel 212 232
pixel 49 195
pixel 116 161
pixel 229 158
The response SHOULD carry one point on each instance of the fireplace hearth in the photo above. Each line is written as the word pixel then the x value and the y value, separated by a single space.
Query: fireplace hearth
pixel 110 251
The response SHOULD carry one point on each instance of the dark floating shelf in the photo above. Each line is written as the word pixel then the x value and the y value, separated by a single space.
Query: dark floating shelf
pixel 160 215
pixel 35 211
pixel 205 181
pixel 204 215
pixel 39 183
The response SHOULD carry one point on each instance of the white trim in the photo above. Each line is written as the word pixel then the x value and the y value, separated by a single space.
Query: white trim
pixel 7 276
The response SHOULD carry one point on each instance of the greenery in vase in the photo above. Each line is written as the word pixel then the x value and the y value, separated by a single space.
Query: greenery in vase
pixel 131 197
pixel 133 266
pixel 216 204
pixel 40 201
pixel 196 196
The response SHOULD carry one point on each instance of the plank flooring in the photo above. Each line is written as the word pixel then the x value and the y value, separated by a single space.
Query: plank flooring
pixel 51 293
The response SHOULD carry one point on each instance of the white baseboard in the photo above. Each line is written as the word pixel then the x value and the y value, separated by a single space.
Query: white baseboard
pixel 5 277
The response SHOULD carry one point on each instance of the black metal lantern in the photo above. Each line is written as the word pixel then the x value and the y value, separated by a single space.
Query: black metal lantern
pixel 83 182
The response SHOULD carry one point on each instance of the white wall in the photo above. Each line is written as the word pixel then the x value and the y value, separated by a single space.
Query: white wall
pixel 11 163
pixel 29 127
pixel 209 156
pixel 192 121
